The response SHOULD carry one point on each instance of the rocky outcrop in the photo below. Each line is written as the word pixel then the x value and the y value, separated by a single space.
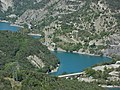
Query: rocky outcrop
pixel 32 15
pixel 6 3
pixel 114 45
pixel 114 39
pixel 36 15
pixel 36 61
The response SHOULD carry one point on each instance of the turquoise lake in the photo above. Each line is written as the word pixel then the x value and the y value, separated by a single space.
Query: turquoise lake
pixel 69 62
pixel 7 26
pixel 73 62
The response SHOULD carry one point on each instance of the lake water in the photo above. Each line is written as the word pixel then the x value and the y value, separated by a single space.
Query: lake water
pixel 73 62
pixel 7 26
pixel 36 37
pixel 69 62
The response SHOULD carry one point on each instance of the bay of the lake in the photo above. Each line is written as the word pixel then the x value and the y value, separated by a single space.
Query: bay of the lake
pixel 8 26
pixel 73 62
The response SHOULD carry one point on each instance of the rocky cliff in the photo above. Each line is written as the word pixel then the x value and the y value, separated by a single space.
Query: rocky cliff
pixel 5 4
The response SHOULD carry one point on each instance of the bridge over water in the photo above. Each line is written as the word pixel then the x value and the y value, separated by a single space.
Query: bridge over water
pixel 32 34
pixel 71 75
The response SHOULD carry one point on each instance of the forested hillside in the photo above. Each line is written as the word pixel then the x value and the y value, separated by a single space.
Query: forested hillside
pixel 73 25
pixel 17 72
pixel 17 48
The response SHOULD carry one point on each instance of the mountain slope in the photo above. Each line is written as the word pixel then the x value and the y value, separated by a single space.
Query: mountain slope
pixel 85 22
pixel 19 73
pixel 18 49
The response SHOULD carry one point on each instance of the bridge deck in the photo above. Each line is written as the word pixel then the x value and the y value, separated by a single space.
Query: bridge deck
pixel 67 75
pixel 32 34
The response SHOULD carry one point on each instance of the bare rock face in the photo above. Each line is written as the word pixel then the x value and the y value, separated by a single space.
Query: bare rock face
pixel 35 15
pixel 36 61
pixel 114 45
pixel 114 39
pixel 31 15
pixel 6 3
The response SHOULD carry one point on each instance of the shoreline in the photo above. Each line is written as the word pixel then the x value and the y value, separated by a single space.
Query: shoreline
pixel 56 69
pixel 15 25
pixel 84 53
pixel 79 52
pixel 4 21
pixel 11 24
pixel 109 86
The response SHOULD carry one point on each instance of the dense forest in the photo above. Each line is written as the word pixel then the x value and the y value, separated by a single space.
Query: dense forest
pixel 16 47
pixel 17 73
